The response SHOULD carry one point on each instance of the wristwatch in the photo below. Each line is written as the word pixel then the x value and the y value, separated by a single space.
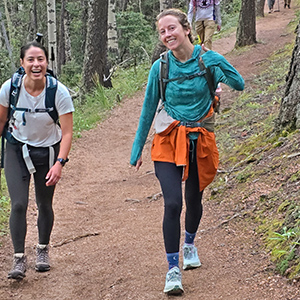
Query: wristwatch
pixel 62 161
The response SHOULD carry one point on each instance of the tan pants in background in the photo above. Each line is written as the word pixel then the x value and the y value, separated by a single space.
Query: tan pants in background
pixel 205 29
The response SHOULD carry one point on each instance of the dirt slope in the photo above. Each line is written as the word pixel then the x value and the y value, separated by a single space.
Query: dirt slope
pixel 107 240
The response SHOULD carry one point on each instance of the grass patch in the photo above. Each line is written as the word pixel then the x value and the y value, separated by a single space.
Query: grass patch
pixel 96 105
pixel 4 213
pixel 250 151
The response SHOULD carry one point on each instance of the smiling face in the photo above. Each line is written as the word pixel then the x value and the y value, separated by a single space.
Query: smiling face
pixel 35 63
pixel 172 33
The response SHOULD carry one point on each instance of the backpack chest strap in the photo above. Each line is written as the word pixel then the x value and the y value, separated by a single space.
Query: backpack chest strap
pixel 29 110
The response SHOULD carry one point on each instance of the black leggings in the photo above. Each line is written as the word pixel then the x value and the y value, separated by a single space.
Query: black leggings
pixel 18 179
pixel 170 178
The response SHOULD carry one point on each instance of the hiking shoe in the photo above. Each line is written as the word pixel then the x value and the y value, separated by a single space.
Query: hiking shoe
pixel 190 257
pixel 42 258
pixel 173 284
pixel 19 267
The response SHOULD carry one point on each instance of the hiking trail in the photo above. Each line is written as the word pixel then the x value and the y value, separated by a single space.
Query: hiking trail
pixel 107 239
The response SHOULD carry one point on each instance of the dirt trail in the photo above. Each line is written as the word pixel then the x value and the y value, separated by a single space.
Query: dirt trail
pixel 104 247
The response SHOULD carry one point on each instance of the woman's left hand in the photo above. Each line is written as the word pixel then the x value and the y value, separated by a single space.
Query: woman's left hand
pixel 54 174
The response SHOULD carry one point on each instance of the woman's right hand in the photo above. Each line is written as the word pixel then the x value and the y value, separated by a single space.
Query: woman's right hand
pixel 138 163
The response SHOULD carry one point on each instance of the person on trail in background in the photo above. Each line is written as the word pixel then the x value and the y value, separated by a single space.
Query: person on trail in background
pixel 184 146
pixel 287 3
pixel 35 145
pixel 271 5
pixel 207 15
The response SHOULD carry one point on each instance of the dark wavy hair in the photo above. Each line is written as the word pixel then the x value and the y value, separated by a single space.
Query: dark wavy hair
pixel 32 44
pixel 180 15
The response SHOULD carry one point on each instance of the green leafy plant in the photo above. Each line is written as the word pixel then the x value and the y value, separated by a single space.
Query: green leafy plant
pixel 135 36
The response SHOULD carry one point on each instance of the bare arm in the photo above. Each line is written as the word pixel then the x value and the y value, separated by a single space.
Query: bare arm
pixel 3 117
pixel 66 122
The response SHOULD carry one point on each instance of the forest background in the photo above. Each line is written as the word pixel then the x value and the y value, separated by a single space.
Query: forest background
pixel 129 54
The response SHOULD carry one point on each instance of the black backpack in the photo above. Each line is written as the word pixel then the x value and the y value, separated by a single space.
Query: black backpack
pixel 16 81
pixel 51 87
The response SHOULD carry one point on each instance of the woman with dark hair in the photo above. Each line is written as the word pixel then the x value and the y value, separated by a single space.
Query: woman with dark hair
pixel 184 146
pixel 36 144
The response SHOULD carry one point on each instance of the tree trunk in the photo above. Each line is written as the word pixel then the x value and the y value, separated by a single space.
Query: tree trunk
pixel 84 19
pixel 68 48
pixel 33 20
pixel 8 20
pixel 61 53
pixel 246 31
pixel 95 60
pixel 164 4
pixel 289 114
pixel 260 5
pixel 7 43
pixel 34 17
pixel 52 40
pixel 112 35
pixel 123 5
pixel 64 43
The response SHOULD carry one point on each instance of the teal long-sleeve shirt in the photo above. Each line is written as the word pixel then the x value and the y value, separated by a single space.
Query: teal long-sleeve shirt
pixel 189 100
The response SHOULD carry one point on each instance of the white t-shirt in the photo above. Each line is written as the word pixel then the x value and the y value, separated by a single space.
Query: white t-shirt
pixel 39 129
pixel 204 11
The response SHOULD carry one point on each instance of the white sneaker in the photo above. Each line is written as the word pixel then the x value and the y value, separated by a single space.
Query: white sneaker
pixel 173 284
pixel 190 257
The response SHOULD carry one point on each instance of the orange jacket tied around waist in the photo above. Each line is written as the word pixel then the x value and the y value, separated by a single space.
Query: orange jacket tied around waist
pixel 173 144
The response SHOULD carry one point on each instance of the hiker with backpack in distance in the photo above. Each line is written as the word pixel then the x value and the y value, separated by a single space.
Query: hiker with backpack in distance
pixel 207 16
pixel 36 144
pixel 184 147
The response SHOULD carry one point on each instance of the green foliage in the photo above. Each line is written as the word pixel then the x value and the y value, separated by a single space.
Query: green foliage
pixel 100 101
pixel 283 247
pixel 4 212
pixel 75 9
pixel 295 177
pixel 284 236
pixel 245 135
pixel 230 15
pixel 230 7
pixel 5 66
pixel 4 205
pixel 71 74
pixel 135 36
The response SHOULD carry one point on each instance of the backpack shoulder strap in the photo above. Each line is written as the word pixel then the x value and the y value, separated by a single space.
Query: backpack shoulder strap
pixel 163 74
pixel 208 75
pixel 51 88
pixel 215 98
pixel 15 85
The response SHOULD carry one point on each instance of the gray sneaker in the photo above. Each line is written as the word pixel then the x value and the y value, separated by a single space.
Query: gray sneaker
pixel 190 257
pixel 19 267
pixel 42 258
pixel 173 284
